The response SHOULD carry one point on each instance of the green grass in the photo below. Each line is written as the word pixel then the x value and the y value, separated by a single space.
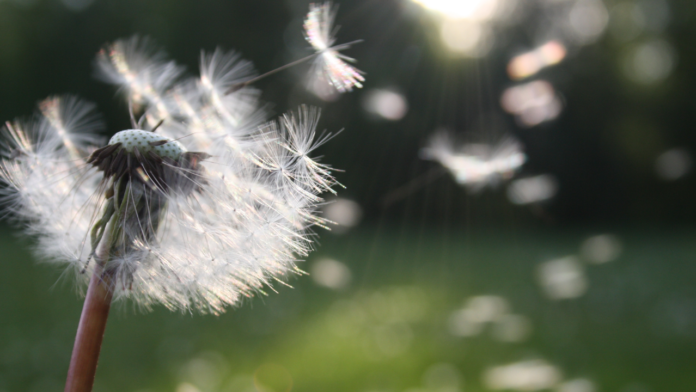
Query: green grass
pixel 634 328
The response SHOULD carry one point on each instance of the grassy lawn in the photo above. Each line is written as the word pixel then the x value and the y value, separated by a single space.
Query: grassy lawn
pixel 391 329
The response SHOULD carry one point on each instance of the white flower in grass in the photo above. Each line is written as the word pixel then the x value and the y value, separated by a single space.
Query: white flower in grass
pixel 330 64
pixel 195 208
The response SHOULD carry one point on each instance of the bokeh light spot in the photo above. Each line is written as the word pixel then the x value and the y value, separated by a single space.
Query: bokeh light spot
pixel 462 323
pixel 528 64
pixel 673 164
pixel 630 19
pixel 588 19
pixel 345 213
pixel 331 274
pixel 650 62
pixel 532 103
pixel 486 308
pixel 387 104
pixel 532 189
pixel 601 249
pixel 512 328
pixel 205 371
pixel 577 385
pixel 562 278
pixel 532 375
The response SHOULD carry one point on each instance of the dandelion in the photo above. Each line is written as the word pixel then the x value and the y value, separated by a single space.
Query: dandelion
pixel 196 207
pixel 330 65
pixel 476 165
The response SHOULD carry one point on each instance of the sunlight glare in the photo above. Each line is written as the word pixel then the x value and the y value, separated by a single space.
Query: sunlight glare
pixel 466 37
pixel 463 9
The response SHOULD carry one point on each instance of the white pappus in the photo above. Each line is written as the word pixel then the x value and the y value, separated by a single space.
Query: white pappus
pixel 476 165
pixel 330 65
pixel 196 207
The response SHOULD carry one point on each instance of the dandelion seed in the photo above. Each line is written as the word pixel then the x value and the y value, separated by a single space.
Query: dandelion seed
pixel 476 165
pixel 141 70
pixel 330 65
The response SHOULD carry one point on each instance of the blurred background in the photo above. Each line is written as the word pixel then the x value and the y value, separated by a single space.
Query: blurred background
pixel 572 272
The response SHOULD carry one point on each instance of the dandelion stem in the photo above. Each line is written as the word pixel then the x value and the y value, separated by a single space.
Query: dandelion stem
pixel 90 332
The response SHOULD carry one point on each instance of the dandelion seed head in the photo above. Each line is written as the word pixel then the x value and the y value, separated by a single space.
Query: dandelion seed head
pixel 214 207
pixel 146 141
